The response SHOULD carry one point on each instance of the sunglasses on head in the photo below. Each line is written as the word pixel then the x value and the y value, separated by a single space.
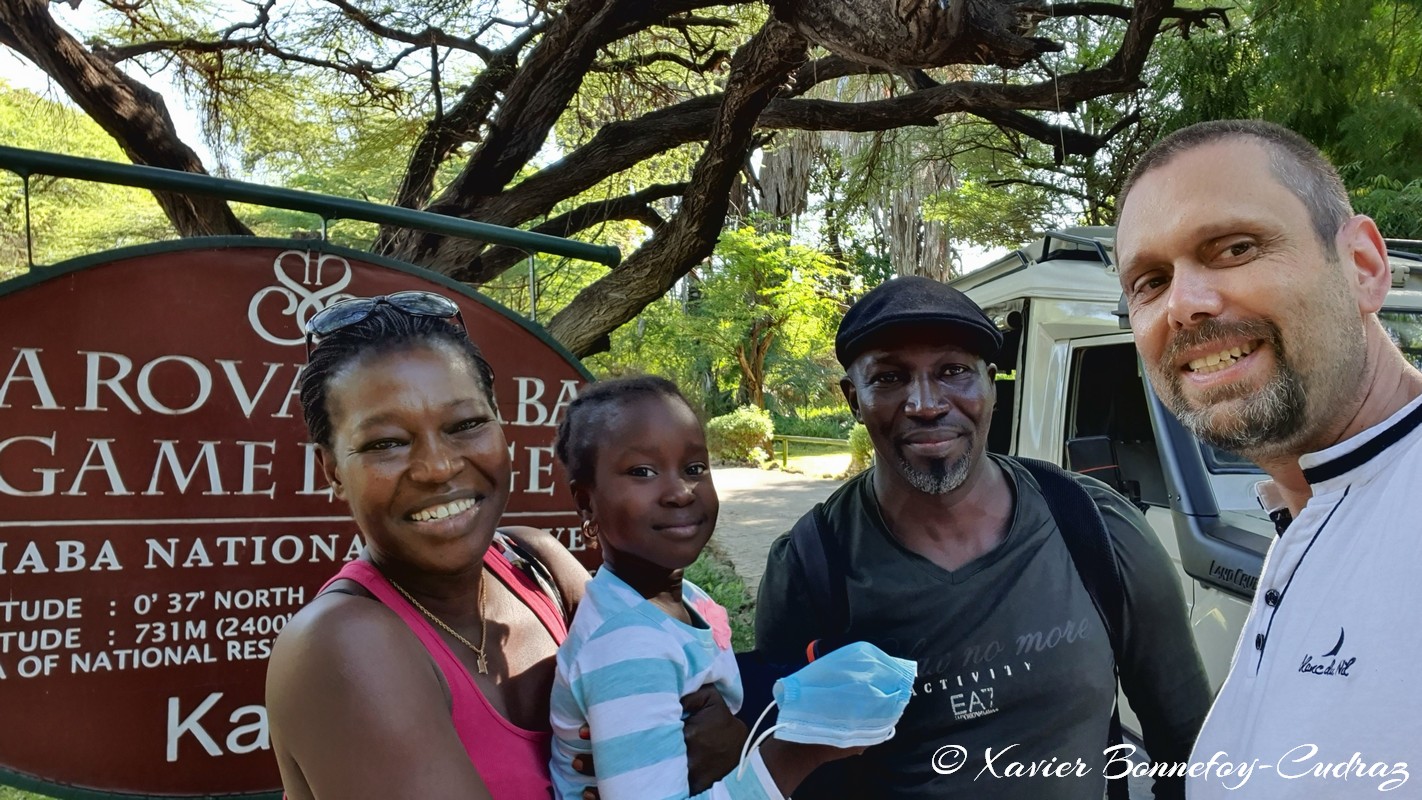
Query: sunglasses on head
pixel 348 312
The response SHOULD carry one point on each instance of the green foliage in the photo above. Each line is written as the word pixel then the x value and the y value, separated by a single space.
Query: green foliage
pixel 771 304
pixel 826 422
pixel 713 572
pixel 872 265
pixel 755 326
pixel 1396 206
pixel 992 216
pixel 327 148
pixel 68 218
pixel 1343 73
pixel 742 436
pixel 861 450
pixel 556 281
pixel 659 342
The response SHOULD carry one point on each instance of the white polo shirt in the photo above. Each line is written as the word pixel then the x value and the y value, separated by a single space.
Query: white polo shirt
pixel 1324 698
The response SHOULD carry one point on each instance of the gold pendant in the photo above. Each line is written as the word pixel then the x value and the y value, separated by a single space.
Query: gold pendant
pixel 483 665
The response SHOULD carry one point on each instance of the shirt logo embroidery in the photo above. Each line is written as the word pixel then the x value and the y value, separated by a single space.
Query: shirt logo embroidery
pixel 1329 663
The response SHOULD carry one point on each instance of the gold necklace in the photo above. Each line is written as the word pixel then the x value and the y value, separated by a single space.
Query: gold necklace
pixel 483 624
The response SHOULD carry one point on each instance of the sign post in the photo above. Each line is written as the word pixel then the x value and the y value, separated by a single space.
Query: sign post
pixel 162 515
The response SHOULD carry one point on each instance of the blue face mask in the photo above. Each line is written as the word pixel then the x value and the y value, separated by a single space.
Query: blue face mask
pixel 851 697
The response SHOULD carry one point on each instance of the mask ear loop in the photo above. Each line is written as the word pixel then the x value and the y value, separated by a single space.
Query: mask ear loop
pixel 753 741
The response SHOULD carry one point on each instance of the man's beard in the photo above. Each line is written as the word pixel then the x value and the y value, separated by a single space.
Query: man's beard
pixel 1269 417
pixel 943 476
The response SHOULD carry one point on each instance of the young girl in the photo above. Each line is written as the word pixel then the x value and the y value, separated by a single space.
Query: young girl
pixel 643 637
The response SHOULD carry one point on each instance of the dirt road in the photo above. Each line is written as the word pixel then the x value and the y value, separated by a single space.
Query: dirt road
pixel 757 506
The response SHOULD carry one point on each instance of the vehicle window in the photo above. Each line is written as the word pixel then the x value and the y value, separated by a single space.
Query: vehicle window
pixel 1108 402
pixel 1223 462
pixel 1405 328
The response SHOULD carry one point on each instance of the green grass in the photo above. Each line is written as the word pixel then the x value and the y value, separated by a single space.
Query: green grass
pixel 714 573
pixel 15 794
pixel 817 460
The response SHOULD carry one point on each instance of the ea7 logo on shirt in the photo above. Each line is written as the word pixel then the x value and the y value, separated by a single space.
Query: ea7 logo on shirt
pixel 1329 663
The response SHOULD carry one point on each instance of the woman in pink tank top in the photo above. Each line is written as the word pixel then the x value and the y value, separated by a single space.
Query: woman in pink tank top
pixel 423 669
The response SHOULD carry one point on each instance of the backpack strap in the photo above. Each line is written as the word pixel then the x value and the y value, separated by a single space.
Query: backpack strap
pixel 1083 529
pixel 808 540
pixel 824 585
pixel 825 575
pixel 1087 540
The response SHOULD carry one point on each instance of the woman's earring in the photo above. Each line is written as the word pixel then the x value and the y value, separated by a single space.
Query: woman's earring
pixel 590 533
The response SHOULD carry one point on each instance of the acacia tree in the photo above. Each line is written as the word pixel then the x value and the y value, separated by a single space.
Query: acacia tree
pixel 492 92
pixel 762 294
pixel 76 217
pixel 1357 94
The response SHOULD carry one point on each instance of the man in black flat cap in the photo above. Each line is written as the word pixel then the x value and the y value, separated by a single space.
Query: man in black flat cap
pixel 1021 591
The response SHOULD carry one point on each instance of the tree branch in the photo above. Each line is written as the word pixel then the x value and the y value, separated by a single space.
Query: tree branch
pixel 534 95
pixel 758 71
pixel 445 134
pixel 1049 187
pixel 687 21
pixel 635 206
pixel 543 87
pixel 645 59
pixel 359 69
pixel 620 145
pixel 430 35
pixel 133 114
pixel 1186 19
pixel 1064 141
pixel 828 68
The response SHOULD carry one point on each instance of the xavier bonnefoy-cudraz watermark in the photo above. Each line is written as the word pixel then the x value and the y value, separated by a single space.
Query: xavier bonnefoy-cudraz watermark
pixel 1304 762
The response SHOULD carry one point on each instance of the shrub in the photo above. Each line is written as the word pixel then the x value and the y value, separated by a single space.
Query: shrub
pixel 742 436
pixel 830 422
pixel 861 450
pixel 714 573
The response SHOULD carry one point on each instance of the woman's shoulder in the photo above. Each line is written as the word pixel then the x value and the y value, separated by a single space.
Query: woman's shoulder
pixel 569 576
pixel 342 649
pixel 343 622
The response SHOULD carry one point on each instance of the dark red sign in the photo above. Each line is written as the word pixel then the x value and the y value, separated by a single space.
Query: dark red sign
pixel 162 515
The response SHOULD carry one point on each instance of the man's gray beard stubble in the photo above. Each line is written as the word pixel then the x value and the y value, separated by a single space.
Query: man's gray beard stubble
pixel 945 477
pixel 1270 417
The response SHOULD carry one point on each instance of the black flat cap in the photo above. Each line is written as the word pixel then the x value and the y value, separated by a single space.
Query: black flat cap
pixel 914 300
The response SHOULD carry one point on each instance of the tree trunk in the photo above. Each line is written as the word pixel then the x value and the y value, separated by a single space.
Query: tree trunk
pixel 922 33
pixel 130 112
pixel 750 357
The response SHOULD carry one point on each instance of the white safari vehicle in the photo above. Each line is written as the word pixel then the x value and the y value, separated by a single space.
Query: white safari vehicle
pixel 1070 390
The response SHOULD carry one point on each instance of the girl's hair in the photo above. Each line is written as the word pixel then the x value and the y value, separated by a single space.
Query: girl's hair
pixel 586 417
pixel 386 329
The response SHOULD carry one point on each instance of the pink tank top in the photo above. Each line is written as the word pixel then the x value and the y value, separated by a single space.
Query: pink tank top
pixel 512 761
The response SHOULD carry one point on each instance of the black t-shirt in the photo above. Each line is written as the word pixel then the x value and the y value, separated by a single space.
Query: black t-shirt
pixel 1013 658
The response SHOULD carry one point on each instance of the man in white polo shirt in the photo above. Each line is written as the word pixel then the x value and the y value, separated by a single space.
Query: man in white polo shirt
pixel 1253 292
